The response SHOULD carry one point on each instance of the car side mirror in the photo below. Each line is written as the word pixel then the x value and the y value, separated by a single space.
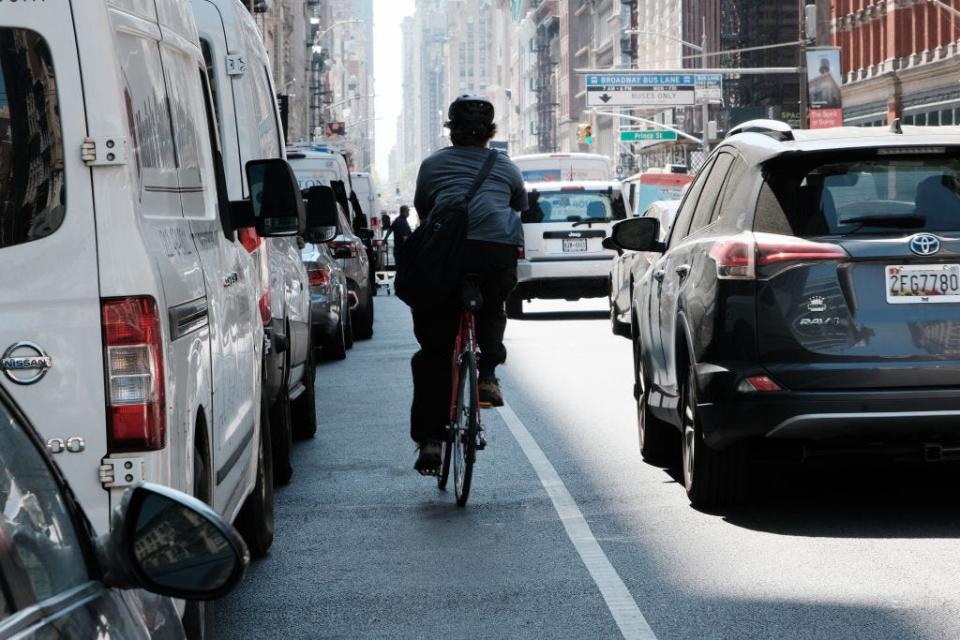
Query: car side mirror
pixel 275 207
pixel 610 245
pixel 169 543
pixel 322 215
pixel 638 234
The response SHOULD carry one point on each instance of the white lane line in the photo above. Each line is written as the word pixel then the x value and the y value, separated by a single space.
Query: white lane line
pixel 621 604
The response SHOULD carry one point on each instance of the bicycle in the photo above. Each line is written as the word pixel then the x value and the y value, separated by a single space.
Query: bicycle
pixel 464 436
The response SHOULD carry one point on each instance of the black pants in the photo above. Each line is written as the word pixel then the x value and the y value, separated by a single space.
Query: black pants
pixel 436 329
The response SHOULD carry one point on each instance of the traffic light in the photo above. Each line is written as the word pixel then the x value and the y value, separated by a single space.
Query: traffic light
pixel 588 134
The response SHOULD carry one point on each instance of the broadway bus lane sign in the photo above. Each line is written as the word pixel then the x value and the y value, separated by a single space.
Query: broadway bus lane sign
pixel 653 89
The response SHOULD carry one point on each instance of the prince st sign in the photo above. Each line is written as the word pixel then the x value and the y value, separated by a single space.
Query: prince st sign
pixel 653 89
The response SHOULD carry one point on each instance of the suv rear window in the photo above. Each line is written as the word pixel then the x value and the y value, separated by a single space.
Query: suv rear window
pixel 572 206
pixel 868 192
pixel 32 195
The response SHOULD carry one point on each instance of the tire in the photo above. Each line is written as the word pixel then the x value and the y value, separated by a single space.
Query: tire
pixel 336 346
pixel 363 322
pixel 255 520
pixel 712 478
pixel 281 440
pixel 348 327
pixel 303 410
pixel 196 613
pixel 464 445
pixel 657 439
pixel 514 306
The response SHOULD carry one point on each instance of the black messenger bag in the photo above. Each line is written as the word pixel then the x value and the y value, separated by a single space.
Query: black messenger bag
pixel 430 261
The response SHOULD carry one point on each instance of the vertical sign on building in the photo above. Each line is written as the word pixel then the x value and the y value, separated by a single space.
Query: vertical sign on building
pixel 823 88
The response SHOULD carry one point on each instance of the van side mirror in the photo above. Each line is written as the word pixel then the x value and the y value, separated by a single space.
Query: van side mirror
pixel 322 215
pixel 169 543
pixel 610 245
pixel 638 234
pixel 275 207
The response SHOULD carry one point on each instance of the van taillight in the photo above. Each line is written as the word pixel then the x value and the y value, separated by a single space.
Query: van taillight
pixel 255 245
pixel 133 348
pixel 738 257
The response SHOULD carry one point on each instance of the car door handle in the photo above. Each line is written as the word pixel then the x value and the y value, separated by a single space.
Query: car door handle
pixel 231 279
pixel 683 270
pixel 658 275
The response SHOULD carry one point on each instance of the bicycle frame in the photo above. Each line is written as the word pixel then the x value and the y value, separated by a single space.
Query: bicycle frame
pixel 466 341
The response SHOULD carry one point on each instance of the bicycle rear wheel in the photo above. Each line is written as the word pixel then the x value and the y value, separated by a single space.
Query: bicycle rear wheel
pixel 464 445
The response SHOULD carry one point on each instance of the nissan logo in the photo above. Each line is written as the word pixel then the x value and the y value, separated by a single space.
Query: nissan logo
pixel 25 363
pixel 924 244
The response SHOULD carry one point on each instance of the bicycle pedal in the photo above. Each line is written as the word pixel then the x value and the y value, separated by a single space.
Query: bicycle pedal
pixel 481 441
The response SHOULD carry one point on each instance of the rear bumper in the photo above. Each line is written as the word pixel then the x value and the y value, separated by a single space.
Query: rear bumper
pixel 564 279
pixel 881 416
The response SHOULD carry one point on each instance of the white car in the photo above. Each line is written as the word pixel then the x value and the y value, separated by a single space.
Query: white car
pixel 564 257
pixel 249 130
pixel 130 330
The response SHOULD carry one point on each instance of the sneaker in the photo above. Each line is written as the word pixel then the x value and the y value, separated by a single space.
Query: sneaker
pixel 428 462
pixel 490 393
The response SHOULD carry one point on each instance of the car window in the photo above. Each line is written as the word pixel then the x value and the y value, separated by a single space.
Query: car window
pixel 707 202
pixel 32 195
pixel 685 214
pixel 735 192
pixel 579 204
pixel 42 545
pixel 861 192
pixel 265 112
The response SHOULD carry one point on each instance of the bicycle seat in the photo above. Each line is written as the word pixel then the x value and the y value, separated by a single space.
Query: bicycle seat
pixel 471 298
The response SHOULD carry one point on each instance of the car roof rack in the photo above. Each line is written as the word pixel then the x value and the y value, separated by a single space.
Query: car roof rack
pixel 775 129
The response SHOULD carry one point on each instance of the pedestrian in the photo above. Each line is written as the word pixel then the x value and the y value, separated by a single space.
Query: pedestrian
pixel 400 230
pixel 494 234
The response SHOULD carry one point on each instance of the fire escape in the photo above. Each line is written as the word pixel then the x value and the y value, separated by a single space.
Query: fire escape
pixel 545 83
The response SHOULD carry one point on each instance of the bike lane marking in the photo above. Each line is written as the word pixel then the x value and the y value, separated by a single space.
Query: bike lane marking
pixel 615 594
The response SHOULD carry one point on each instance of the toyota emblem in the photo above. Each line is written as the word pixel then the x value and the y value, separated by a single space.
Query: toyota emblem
pixel 924 244
pixel 25 363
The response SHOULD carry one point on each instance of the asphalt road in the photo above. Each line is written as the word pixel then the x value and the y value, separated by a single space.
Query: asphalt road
pixel 366 548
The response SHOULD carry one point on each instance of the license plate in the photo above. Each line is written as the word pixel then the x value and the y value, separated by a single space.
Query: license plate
pixel 918 283
pixel 573 245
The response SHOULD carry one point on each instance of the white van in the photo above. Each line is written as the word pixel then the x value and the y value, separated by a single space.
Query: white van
pixel 250 129
pixel 563 231
pixel 130 327
pixel 318 166
pixel 556 167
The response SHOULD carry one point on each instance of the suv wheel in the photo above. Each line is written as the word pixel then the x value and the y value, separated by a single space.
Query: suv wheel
pixel 363 322
pixel 281 440
pixel 712 478
pixel 304 408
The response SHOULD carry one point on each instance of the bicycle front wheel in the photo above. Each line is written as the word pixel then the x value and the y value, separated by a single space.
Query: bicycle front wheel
pixel 464 445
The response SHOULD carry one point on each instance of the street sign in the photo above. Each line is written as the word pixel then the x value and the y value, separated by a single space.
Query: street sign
pixel 647 136
pixel 653 89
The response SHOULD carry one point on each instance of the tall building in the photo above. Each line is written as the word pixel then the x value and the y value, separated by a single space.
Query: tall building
pixel 468 48
pixel 899 60
pixel 425 77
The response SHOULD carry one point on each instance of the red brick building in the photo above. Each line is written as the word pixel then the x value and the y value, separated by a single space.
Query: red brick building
pixel 899 59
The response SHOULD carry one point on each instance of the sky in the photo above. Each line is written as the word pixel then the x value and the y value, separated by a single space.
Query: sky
pixel 388 74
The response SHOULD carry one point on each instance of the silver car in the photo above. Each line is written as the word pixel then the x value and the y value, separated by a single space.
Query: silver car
pixel 329 300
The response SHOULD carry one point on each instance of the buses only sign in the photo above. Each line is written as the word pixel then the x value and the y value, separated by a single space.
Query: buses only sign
pixel 653 90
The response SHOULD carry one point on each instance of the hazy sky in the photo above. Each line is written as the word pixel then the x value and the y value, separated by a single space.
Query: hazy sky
pixel 388 75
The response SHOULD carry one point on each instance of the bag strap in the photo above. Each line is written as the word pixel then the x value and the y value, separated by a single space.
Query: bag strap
pixel 482 176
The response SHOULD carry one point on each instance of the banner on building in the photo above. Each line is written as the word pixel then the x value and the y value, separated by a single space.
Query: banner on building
pixel 823 88
pixel 335 129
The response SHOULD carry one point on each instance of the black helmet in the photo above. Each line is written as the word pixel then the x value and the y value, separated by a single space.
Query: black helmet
pixel 467 108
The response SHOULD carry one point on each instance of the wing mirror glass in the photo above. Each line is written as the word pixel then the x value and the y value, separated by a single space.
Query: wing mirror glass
pixel 322 214
pixel 177 546
pixel 637 234
pixel 610 245
pixel 275 207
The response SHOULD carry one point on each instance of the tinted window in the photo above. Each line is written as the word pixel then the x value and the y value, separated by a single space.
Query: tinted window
pixel 41 547
pixel 32 198
pixel 571 206
pixel 685 214
pixel 866 192
pixel 265 112
pixel 703 213
pixel 736 192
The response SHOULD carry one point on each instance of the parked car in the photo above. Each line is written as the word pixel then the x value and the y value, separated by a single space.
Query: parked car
pixel 148 337
pixel 629 266
pixel 249 124
pixel 330 313
pixel 807 295
pixel 320 166
pixel 563 255
pixel 61 581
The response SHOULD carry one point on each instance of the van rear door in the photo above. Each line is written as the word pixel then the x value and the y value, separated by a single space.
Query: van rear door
pixel 50 336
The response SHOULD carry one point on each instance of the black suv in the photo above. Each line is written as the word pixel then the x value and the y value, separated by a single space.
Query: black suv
pixel 809 293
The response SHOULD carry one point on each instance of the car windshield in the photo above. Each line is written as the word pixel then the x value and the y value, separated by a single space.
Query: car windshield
pixel 873 193
pixel 31 140
pixel 573 206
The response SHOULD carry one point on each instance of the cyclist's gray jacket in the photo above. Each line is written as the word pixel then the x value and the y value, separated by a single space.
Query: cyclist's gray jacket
pixel 446 176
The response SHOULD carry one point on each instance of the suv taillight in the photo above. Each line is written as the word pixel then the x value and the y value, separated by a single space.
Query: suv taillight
pixel 318 277
pixel 737 258
pixel 133 347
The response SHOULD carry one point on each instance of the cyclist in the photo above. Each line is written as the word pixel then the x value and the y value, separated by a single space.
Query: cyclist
pixel 493 237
